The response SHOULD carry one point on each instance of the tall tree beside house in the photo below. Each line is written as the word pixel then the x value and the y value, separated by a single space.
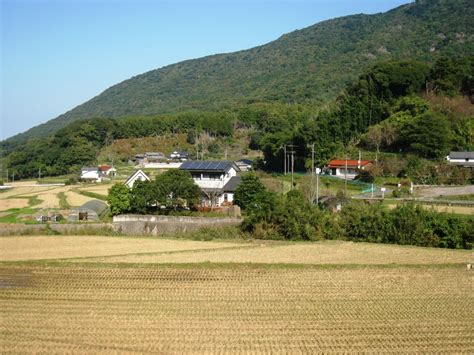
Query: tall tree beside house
pixel 175 188
pixel 248 190
pixel 141 197
pixel 119 199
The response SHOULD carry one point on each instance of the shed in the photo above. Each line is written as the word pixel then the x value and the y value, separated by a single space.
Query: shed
pixel 90 211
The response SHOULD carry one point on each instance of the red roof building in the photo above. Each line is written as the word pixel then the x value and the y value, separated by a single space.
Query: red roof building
pixel 349 168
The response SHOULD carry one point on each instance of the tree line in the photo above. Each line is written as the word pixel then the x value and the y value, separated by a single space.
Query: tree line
pixel 291 216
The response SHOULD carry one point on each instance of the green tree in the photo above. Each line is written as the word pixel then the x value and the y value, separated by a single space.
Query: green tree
pixel 250 187
pixel 118 199
pixel 141 197
pixel 429 135
pixel 175 188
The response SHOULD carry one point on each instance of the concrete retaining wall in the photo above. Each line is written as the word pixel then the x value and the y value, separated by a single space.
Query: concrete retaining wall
pixel 38 229
pixel 160 225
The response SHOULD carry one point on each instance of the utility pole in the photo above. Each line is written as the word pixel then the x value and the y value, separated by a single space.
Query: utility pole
pixel 312 173
pixel 284 166
pixel 7 175
pixel 292 152
pixel 317 188
pixel 345 179
pixel 292 167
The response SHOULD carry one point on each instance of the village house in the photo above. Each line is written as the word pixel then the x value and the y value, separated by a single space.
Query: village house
pixel 465 159
pixel 244 164
pixel 97 173
pixel 107 170
pixel 218 180
pixel 346 168
pixel 154 157
pixel 179 156
pixel 138 175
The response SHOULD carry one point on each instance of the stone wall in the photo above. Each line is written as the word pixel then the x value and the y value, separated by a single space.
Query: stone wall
pixel 160 225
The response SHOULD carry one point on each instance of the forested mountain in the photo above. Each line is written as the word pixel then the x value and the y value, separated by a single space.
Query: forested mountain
pixel 309 66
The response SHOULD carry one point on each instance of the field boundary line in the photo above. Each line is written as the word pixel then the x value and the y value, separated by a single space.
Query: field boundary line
pixel 209 265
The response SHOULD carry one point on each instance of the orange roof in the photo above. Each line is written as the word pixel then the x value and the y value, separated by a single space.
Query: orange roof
pixel 104 167
pixel 338 163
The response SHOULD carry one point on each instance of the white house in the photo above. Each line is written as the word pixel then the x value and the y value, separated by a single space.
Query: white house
pixel 217 179
pixel 136 176
pixel 461 158
pixel 345 168
pixel 107 170
pixel 91 173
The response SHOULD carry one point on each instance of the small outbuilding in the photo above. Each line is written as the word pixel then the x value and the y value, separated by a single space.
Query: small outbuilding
pixel 90 211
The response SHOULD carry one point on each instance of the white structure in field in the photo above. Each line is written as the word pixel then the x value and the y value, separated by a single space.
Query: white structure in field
pixel 217 179
pixel 465 159
pixel 345 168
pixel 136 176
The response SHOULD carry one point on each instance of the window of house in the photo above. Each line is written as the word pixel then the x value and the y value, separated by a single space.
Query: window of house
pixel 226 198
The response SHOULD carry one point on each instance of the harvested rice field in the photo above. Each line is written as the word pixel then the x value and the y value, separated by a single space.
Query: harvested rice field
pixel 65 247
pixel 47 195
pixel 326 252
pixel 176 310
pixel 88 294
pixel 138 250
pixel 6 204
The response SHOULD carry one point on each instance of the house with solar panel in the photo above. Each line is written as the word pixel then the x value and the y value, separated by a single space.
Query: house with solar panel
pixel 218 180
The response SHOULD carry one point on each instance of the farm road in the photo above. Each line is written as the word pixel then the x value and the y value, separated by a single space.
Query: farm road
pixel 431 192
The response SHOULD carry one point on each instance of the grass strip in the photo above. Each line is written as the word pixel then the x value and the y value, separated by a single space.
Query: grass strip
pixel 63 204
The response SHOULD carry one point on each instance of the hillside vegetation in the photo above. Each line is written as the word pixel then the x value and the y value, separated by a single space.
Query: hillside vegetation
pixel 309 66
pixel 407 107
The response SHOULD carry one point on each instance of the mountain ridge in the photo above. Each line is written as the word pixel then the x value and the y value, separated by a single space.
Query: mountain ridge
pixel 309 65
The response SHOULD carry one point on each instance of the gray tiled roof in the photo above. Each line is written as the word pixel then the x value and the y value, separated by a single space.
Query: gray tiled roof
pixel 461 155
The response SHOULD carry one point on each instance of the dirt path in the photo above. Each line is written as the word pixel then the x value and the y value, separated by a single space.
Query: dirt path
pixel 432 192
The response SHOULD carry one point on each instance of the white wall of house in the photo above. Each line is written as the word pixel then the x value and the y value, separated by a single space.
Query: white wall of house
pixel 213 180
pixel 457 160
pixel 90 175
pixel 341 173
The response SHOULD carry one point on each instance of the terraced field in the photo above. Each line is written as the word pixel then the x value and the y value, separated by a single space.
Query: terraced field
pixel 353 302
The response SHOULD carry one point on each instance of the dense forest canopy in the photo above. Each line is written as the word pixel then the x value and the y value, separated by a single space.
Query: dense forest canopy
pixel 309 66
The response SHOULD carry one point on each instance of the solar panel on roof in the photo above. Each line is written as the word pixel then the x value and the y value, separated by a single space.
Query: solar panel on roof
pixel 206 165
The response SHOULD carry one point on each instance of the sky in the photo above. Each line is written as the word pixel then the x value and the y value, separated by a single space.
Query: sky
pixel 57 54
